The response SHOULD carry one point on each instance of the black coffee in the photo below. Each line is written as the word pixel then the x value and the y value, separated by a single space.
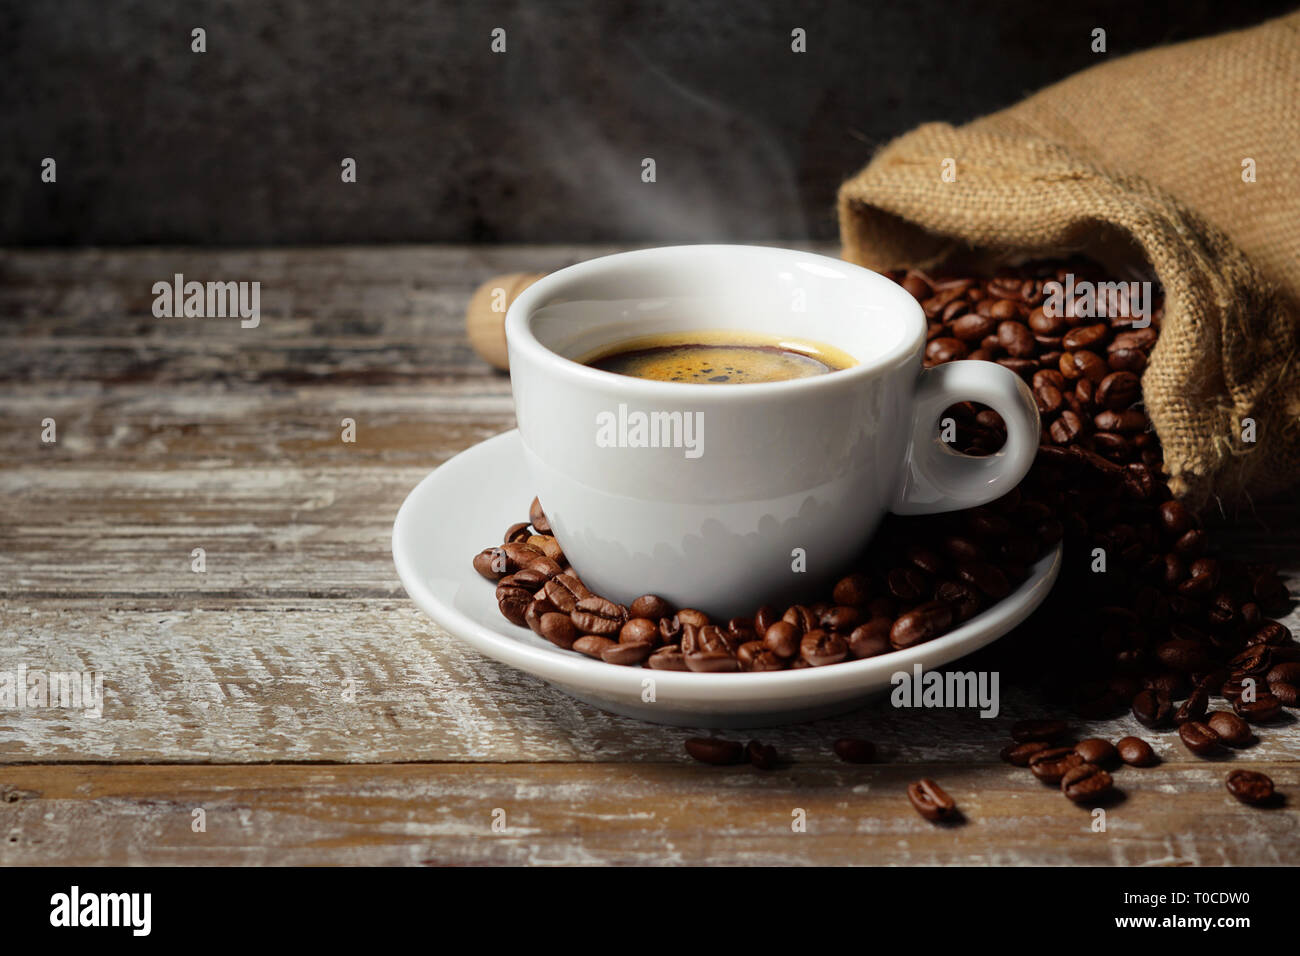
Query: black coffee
pixel 725 358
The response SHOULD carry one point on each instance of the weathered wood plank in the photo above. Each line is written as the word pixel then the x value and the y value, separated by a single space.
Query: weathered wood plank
pixel 330 290
pixel 145 428
pixel 215 679
pixel 333 292
pixel 651 814
pixel 76 529
pixel 71 531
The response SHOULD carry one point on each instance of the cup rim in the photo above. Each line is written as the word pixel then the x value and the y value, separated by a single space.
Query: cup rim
pixel 520 337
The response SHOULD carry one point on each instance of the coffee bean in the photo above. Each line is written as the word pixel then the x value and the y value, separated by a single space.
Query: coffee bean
pixel 538 517
pixel 916 286
pixel 1016 339
pixel 1049 376
pixel 1023 367
pixel 1273 634
pixel 855 750
pixel 1250 786
pixel 537 607
pixel 1086 783
pixel 1048 398
pixel 513 603
pixel 1134 339
pixel 547 545
pixel 1191 544
pixel 1003 309
pixel 930 562
pixel 1233 688
pixel 1199 738
pixel 1263 709
pixel 761 756
pixel 518 532
pixel 530 579
pixel 1152 709
pixel 714 750
pixel 1127 360
pixel 945 349
pixel 689 615
pixel 1232 730
pixel 639 630
pixel 765 617
pixel 1083 364
pixel 518 556
pixel 1044 324
pixel 595 615
pixel 1175 518
pixel 758 658
pixel 1254 661
pixel 1018 754
pixel 943 294
pixel 557 627
pixel 841 618
pixel 1084 337
pixel 1135 752
pixel 907 584
pixel 972 327
pixel 1052 764
pixel 1094 750
pixel 627 654
pixel 650 606
pixel 921 624
pixel 820 647
pixel 853 590
pixel 930 800
pixel 987 577
pixel 491 563
pixel 667 658
pixel 801 618
pixel 1288 695
pixel 1194 707
pixel 707 650
pixel 565 591
pixel 870 639
pixel 964 598
pixel 1130 422
pixel 1045 730
pixel 593 645
pixel 1118 390
pixel 782 639
pixel 1067 427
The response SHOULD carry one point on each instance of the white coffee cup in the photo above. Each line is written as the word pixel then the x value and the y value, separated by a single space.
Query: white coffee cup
pixel 758 492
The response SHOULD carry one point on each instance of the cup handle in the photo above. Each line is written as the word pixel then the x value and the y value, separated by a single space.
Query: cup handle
pixel 938 478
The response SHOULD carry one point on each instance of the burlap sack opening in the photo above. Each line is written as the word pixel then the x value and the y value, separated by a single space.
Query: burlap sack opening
pixel 1139 163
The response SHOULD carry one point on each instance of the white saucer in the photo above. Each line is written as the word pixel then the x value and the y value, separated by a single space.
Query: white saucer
pixel 466 505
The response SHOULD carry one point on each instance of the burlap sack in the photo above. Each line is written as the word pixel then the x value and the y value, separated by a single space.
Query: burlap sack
pixel 1138 162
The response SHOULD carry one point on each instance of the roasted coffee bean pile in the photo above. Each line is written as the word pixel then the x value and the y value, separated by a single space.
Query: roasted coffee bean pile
pixel 918 580
pixel 1080 769
pixel 1145 617
pixel 715 750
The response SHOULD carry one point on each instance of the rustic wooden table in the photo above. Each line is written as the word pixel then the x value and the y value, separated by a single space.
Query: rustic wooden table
pixel 290 704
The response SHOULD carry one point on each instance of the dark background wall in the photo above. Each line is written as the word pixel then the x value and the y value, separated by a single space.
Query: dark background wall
pixel 242 144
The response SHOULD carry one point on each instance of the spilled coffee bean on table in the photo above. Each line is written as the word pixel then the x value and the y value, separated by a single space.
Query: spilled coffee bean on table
pixel 1164 620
